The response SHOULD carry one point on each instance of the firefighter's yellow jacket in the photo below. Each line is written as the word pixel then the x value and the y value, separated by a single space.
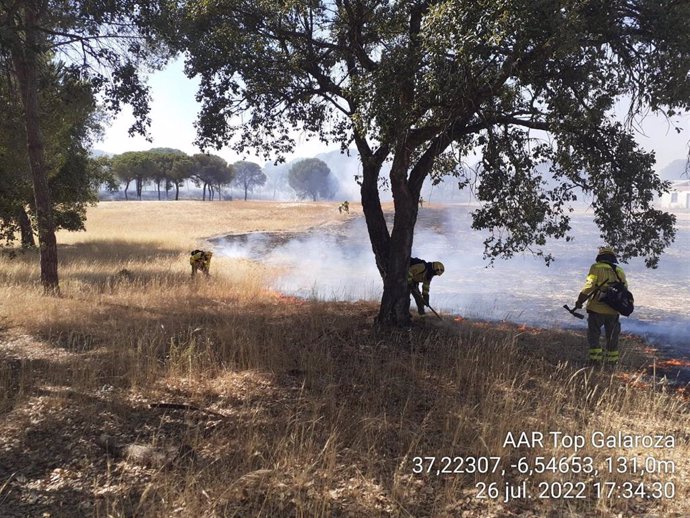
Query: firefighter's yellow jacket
pixel 599 275
pixel 201 257
pixel 418 273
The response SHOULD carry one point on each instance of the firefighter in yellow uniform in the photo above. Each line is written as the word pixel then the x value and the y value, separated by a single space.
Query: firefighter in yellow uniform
pixel 200 260
pixel 598 313
pixel 422 272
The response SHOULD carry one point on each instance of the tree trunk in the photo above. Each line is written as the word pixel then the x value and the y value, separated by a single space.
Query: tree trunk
pixel 177 191
pixel 395 302
pixel 139 185
pixel 27 233
pixel 373 215
pixel 158 186
pixel 204 193
pixel 24 60
pixel 245 192
pixel 127 187
pixel 392 251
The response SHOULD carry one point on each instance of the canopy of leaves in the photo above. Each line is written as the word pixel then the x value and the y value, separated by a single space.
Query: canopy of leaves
pixel 133 165
pixel 248 175
pixel 70 120
pixel 211 169
pixel 311 178
pixel 103 43
pixel 419 80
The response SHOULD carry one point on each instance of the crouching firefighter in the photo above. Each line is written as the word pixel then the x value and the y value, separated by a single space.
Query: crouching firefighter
pixel 422 272
pixel 200 260
pixel 604 273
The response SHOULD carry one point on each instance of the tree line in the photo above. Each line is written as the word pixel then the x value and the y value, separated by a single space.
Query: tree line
pixel 75 177
pixel 169 169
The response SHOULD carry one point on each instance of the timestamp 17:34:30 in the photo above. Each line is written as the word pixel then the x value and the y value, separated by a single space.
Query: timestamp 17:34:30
pixel 558 490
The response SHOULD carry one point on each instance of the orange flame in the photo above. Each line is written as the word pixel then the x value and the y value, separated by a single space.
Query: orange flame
pixel 632 380
pixel 289 299
pixel 673 362
pixel 683 392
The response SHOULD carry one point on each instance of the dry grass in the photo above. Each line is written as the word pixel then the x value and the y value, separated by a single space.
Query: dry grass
pixel 185 222
pixel 294 408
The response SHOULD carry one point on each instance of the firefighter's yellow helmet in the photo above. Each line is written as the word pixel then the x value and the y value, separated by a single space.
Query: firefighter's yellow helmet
pixel 438 267
pixel 606 250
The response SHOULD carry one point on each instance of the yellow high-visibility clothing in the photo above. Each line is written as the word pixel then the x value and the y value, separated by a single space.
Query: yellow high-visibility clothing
pixel 200 260
pixel 200 257
pixel 600 274
pixel 418 273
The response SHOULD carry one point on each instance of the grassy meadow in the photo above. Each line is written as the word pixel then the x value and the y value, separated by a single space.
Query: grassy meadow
pixel 147 393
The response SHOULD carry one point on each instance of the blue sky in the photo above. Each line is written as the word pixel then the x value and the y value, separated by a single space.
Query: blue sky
pixel 174 110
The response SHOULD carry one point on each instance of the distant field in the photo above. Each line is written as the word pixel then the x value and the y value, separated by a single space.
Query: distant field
pixel 189 221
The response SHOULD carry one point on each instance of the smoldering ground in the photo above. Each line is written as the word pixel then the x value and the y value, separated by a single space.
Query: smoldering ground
pixel 337 264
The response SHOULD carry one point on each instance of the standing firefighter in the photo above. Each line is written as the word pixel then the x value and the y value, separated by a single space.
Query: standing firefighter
pixel 422 271
pixel 604 275
pixel 200 260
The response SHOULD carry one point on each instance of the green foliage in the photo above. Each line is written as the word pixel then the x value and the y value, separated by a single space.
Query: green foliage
pixel 248 175
pixel 137 166
pixel 106 44
pixel 181 169
pixel 311 178
pixel 212 169
pixel 418 82
pixel 70 119
pixel 212 172
pixel 15 180
pixel 170 166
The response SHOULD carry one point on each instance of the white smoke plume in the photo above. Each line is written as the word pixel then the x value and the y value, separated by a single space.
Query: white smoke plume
pixel 339 265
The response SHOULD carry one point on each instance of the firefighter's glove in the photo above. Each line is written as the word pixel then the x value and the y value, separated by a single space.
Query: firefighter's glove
pixel 580 300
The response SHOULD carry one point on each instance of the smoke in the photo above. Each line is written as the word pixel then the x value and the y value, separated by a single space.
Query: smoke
pixel 339 265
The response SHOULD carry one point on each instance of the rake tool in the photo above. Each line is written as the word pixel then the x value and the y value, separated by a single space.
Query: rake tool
pixel 573 312
pixel 434 311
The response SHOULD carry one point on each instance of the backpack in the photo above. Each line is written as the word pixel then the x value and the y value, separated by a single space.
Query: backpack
pixel 616 295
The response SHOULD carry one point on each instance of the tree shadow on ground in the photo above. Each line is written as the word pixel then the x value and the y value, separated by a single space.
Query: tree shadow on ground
pixel 270 383
pixel 98 262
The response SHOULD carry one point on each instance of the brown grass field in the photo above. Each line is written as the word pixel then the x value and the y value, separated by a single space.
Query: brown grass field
pixel 149 394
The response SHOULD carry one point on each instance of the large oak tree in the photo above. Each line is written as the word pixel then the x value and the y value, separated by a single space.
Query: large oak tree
pixel 426 83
